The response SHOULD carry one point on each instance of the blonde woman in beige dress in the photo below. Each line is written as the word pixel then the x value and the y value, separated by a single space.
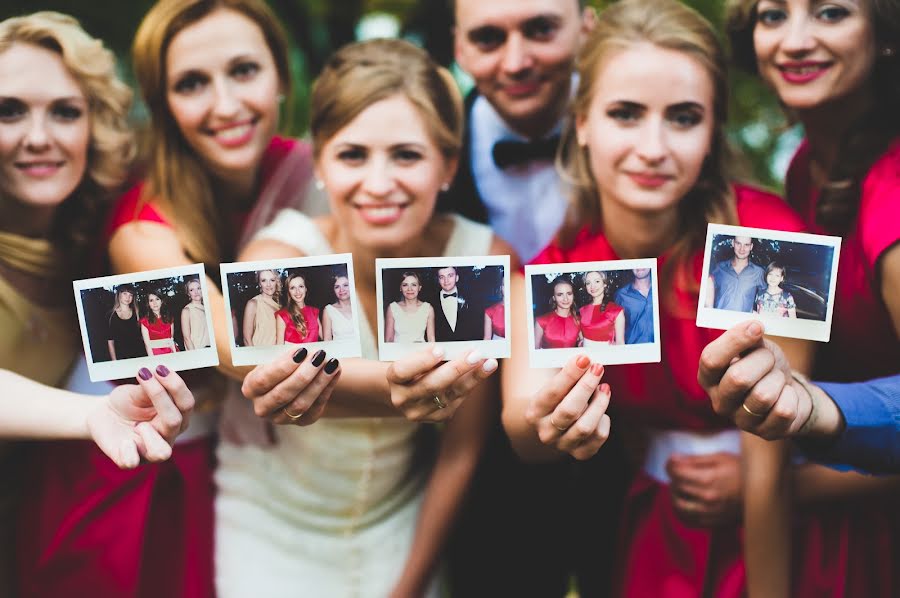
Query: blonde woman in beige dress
pixel 259 315
pixel 193 318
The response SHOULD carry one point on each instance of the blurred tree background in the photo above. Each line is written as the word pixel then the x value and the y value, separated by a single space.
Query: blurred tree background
pixel 317 27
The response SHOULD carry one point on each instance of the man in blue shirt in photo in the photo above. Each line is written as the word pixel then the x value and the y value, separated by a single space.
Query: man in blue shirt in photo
pixel 736 282
pixel 637 301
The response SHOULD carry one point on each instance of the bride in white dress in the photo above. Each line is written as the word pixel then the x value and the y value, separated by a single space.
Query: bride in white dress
pixel 337 317
pixel 409 320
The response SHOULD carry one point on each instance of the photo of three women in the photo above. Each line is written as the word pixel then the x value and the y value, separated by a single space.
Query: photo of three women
pixel 154 317
pixel 296 305
pixel 431 306
pixel 593 308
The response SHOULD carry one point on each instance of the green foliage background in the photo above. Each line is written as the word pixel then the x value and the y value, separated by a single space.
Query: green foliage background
pixel 317 27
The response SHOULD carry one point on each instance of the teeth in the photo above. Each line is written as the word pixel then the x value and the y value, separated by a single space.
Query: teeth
pixel 382 211
pixel 805 70
pixel 233 133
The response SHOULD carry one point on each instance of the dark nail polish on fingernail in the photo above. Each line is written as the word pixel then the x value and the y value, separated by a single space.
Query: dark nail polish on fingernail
pixel 300 355
pixel 145 374
pixel 331 366
pixel 162 370
pixel 318 358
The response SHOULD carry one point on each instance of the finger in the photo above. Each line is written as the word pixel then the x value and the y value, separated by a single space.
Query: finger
pixel 168 418
pixel 760 401
pixel 316 410
pixel 299 391
pixel 718 355
pixel 410 367
pixel 263 378
pixel 575 401
pixel 155 448
pixel 122 452
pixel 461 388
pixel 177 389
pixel 738 382
pixel 552 393
pixel 586 427
pixel 417 402
pixel 782 416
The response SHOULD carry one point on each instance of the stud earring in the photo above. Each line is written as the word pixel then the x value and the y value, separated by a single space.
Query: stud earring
pixel 887 52
pixel 445 187
pixel 319 184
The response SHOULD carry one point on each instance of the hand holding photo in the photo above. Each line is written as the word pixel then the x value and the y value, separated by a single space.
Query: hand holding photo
pixel 786 280
pixel 145 319
pixel 458 303
pixel 608 310
pixel 309 301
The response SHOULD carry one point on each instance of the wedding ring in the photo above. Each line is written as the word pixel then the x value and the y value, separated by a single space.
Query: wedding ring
pixel 747 409
pixel 291 415
pixel 440 404
pixel 560 428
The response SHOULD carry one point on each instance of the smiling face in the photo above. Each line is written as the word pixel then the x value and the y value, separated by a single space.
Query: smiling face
pixel 410 287
pixel 640 273
pixel 342 288
pixel 742 247
pixel 815 53
pixel 448 278
pixel 648 127
pixel 44 127
pixel 297 290
pixel 595 284
pixel 563 295
pixel 126 298
pixel 222 90
pixel 154 302
pixel 521 55
pixel 775 277
pixel 268 282
pixel 383 172
pixel 194 291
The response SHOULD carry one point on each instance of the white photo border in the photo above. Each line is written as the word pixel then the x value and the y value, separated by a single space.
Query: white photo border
pixel 607 355
pixel 127 368
pixel 721 319
pixel 261 355
pixel 498 349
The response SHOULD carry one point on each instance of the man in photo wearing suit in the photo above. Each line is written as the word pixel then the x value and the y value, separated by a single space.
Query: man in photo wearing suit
pixel 455 318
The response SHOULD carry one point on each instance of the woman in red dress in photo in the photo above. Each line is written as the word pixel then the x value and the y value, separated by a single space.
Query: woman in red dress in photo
pixel 156 326
pixel 559 328
pixel 297 322
pixel 602 321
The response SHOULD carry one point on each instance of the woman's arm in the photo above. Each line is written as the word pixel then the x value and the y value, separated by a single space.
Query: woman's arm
pixel 889 274
pixel 186 329
pixel 320 329
pixel 538 335
pixel 710 291
pixel 461 446
pixel 389 324
pixel 327 335
pixel 429 324
pixel 280 329
pixel 488 328
pixel 112 349
pixel 146 336
pixel 172 337
pixel 249 319
pixel 620 328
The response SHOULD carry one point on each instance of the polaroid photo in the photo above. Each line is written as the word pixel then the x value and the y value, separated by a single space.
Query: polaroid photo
pixel 784 280
pixel 303 301
pixel 607 310
pixel 145 319
pixel 458 303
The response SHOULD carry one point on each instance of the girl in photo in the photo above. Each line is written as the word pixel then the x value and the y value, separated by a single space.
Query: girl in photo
pixel 157 326
pixel 260 328
pixel 193 317
pixel 409 320
pixel 602 321
pixel 775 301
pixel 297 322
pixel 560 328
pixel 337 317
pixel 124 337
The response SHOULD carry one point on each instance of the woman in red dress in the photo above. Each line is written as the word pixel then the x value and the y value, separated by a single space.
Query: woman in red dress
pixel 646 153
pixel 156 326
pixel 836 67
pixel 559 328
pixel 602 321
pixel 297 322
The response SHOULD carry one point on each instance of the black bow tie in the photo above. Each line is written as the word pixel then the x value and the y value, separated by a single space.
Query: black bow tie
pixel 445 295
pixel 508 152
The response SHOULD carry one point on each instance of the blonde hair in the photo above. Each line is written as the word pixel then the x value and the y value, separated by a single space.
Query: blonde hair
pixel 361 74
pixel 277 294
pixel 177 181
pixel 671 25
pixel 111 146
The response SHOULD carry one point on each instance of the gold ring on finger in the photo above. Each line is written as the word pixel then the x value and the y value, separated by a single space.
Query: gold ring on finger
pixel 292 416
pixel 440 404
pixel 560 428
pixel 747 409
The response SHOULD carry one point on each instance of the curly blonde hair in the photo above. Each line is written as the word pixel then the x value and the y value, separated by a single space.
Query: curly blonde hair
pixel 111 147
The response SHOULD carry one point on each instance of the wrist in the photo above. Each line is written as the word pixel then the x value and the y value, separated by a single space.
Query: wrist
pixel 825 420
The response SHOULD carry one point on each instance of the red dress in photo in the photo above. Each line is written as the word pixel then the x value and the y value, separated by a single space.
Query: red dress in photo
pixel 658 555
pixel 497 314
pixel 850 548
pixel 600 324
pixel 291 334
pixel 559 332
pixel 89 528
pixel 158 331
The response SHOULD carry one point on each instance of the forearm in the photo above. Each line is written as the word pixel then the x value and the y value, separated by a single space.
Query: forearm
pixel 29 409
pixel 362 391
pixel 816 484
pixel 767 517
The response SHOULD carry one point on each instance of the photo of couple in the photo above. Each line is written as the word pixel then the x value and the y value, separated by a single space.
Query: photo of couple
pixel 147 318
pixel 773 278
pixel 442 304
pixel 593 308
